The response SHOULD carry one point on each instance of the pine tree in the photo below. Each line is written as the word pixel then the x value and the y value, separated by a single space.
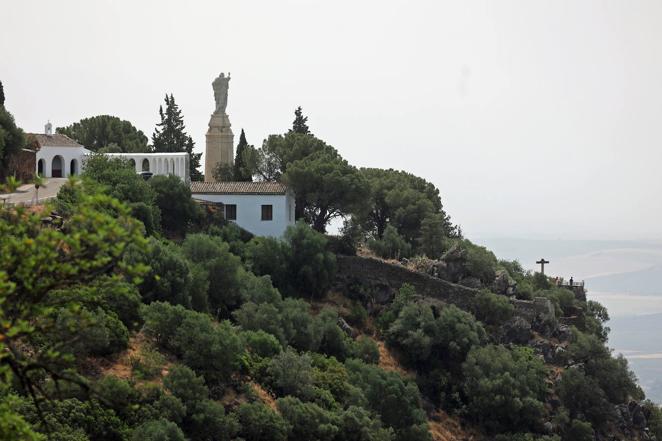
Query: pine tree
pixel 241 172
pixel 2 95
pixel 170 136
pixel 299 125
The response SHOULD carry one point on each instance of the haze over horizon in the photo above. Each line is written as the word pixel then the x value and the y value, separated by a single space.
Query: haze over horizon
pixel 535 119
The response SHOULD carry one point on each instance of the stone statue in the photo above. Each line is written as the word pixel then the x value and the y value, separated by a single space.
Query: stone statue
pixel 220 86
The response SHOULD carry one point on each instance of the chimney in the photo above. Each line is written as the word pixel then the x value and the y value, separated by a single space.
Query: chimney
pixel 48 129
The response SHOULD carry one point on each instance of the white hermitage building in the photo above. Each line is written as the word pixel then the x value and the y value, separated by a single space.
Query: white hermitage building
pixel 262 208
pixel 58 156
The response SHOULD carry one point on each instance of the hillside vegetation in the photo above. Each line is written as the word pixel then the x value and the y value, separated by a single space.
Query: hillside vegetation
pixel 131 313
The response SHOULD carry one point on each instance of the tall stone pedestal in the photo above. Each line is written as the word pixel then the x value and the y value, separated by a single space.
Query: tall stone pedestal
pixel 220 144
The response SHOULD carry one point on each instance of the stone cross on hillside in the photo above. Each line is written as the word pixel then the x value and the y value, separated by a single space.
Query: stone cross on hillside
pixel 542 263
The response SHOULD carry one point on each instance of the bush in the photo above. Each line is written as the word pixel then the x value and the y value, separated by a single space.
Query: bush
pixel 169 277
pixel 394 399
pixel 224 271
pixel 505 389
pixel 583 396
pixel 158 430
pixel 391 245
pixel 366 350
pixel 206 420
pixel 259 423
pixel 90 332
pixel 308 420
pixel 291 374
pixel 184 384
pixel 492 309
pixel 148 364
pixel 173 197
pixel 579 431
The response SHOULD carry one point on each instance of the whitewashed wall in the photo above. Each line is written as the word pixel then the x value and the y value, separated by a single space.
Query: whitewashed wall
pixel 249 211
pixel 160 163
pixel 47 154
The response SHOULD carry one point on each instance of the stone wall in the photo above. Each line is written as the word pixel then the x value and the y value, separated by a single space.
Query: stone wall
pixel 380 280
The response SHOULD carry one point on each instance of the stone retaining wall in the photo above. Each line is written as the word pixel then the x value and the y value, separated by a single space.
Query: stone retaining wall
pixel 381 280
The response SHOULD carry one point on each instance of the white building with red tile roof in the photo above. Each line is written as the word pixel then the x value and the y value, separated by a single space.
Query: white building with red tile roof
pixel 262 208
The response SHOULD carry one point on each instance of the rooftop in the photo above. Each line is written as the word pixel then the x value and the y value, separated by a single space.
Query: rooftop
pixel 54 140
pixel 238 188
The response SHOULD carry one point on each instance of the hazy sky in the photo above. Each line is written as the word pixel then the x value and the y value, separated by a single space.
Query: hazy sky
pixel 534 118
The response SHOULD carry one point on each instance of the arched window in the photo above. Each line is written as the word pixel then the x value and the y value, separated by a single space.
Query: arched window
pixel 73 167
pixel 40 167
pixel 57 167
pixel 145 165
pixel 132 162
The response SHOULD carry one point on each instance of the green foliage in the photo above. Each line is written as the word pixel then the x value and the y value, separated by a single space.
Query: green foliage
pixel 37 260
pixel 158 430
pixel 582 396
pixel 391 245
pixel 433 231
pixel 148 364
pixel 119 180
pixel 213 350
pixel 90 332
pixel 101 131
pixel 426 339
pixel 563 300
pixel 541 282
pixel 292 374
pixel 480 262
pixel 505 388
pixel 12 138
pixel 223 172
pixel 579 431
pixel 173 197
pixel 326 187
pixel 279 151
pixel 653 414
pixel 393 398
pixel 595 317
pixel 241 170
pixel 402 200
pixel 299 265
pixel 259 423
pixel 308 420
pixel 170 136
pixel 184 384
pixel 492 309
pixel 169 277
pixel 366 350
pixel 224 271
pixel 206 420
pixel 300 123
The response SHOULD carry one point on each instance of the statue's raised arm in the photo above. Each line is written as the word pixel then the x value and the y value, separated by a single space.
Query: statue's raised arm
pixel 221 85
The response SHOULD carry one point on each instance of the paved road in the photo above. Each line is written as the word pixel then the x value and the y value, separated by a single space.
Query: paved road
pixel 25 195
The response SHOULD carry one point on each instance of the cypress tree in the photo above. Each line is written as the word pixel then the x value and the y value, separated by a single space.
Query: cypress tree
pixel 300 122
pixel 241 172
pixel 170 136
pixel 2 95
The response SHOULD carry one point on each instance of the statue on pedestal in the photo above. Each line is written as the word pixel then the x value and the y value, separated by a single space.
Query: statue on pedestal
pixel 221 85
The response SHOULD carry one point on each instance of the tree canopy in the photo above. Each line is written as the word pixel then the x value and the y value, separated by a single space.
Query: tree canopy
pixel 170 136
pixel 102 131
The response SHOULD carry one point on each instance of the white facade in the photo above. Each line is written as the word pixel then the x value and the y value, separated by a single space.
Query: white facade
pixel 159 163
pixel 60 162
pixel 248 211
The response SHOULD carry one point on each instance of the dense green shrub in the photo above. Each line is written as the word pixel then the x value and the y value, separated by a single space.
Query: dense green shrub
pixel 504 388
pixel 394 399
pixel 584 397
pixel 292 374
pixel 224 271
pixel 168 278
pixel 299 265
pixel 173 197
pixel 158 430
pixel 90 332
pixel 492 309
pixel 579 431
pixel 259 423
pixel 308 420
pixel 391 245
pixel 366 350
